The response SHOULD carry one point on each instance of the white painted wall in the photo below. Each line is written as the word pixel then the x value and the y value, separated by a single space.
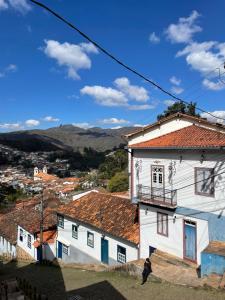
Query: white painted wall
pixel 78 196
pixel 172 244
pixel 183 175
pixel 7 248
pixel 81 243
pixel 49 250
pixel 23 244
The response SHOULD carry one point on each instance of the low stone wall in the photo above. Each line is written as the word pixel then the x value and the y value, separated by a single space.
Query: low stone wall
pixel 132 269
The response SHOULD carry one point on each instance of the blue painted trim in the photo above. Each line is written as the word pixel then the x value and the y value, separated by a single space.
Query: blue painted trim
pixel 216 224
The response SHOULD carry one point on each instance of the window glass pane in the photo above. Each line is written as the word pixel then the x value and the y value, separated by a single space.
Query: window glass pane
pixel 160 178
pixel 75 231
pixel 162 223
pixel 121 254
pixel 205 181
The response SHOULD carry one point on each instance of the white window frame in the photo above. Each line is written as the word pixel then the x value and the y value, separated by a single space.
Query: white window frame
pixel 90 242
pixel 74 232
pixel 60 221
pixel 29 241
pixel 121 257
pixel 21 235
pixel 65 249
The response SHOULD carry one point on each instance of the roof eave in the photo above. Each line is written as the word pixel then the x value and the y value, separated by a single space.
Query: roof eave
pixel 91 225
pixel 178 148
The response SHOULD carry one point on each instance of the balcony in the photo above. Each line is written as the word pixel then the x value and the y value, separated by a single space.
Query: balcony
pixel 157 196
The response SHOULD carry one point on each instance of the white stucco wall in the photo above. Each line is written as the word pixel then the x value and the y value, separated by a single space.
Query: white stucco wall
pixel 7 248
pixel 184 163
pixel 23 244
pixel 174 242
pixel 81 243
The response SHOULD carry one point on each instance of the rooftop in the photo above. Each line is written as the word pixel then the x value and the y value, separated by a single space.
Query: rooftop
pixel 111 214
pixel 179 115
pixel 192 136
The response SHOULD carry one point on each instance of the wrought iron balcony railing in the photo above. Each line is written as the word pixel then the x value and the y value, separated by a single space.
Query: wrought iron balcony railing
pixel 157 196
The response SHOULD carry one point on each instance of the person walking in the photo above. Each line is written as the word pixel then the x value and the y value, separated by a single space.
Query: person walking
pixel 146 271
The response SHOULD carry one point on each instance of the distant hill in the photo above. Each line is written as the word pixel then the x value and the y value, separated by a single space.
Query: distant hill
pixel 65 137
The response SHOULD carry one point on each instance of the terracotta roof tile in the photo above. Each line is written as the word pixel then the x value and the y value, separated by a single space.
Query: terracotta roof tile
pixel 192 136
pixel 114 215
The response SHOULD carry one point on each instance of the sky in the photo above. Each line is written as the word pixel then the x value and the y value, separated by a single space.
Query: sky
pixel 50 75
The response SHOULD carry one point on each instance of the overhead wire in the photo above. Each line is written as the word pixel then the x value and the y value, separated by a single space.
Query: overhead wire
pixel 109 54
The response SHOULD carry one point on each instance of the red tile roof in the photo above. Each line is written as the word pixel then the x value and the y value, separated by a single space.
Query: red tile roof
pixel 179 115
pixel 191 137
pixel 48 238
pixel 111 214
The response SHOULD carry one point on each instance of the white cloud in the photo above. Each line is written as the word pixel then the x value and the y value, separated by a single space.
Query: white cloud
pixel 139 125
pixel 116 127
pixel 32 123
pixel 183 31
pixel 153 38
pixel 177 90
pixel 11 68
pixel 214 86
pixel 204 57
pixel 141 107
pixel 20 5
pixel 50 119
pixel 114 121
pixel 105 96
pixel 83 125
pixel 3 5
pixel 174 80
pixel 134 92
pixel 73 57
pixel 216 113
pixel 11 126
pixel 169 102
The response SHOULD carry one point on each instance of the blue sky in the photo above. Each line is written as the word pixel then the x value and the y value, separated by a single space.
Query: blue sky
pixel 49 75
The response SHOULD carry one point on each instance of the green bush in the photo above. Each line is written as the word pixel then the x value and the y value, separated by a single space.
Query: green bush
pixel 118 183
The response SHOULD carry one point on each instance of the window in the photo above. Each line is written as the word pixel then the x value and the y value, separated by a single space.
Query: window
pixel 204 182
pixel 121 254
pixel 29 241
pixel 90 239
pixel 65 249
pixel 162 223
pixel 75 231
pixel 21 235
pixel 61 221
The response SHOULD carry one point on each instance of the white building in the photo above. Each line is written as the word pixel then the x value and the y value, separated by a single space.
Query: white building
pixel 7 247
pixel 177 175
pixel 29 241
pixel 28 234
pixel 98 228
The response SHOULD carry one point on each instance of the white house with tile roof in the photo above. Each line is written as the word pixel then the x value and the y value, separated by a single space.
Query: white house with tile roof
pixel 177 175
pixel 98 228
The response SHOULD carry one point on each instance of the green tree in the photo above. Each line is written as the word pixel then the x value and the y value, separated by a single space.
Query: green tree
pixel 188 109
pixel 118 183
pixel 114 163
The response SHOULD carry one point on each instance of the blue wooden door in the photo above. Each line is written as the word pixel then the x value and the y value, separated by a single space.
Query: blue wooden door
pixel 190 240
pixel 104 251
pixel 38 254
pixel 59 250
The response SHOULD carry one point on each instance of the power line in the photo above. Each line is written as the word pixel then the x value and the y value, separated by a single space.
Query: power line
pixel 106 52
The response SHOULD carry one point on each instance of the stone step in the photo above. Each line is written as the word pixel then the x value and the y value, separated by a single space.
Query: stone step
pixel 165 259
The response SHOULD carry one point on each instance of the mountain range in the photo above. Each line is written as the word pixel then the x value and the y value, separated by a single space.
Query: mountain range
pixel 66 137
